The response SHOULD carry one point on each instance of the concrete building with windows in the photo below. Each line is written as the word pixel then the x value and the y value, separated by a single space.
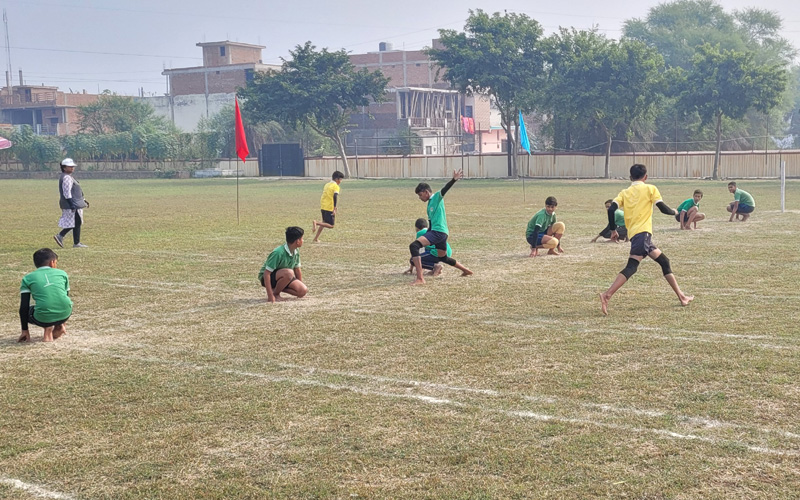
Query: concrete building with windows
pixel 201 91
pixel 46 109
pixel 419 102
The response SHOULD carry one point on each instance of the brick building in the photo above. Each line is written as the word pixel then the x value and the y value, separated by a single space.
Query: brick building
pixel 46 109
pixel 419 101
pixel 201 91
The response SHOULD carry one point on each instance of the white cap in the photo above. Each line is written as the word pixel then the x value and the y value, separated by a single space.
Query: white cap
pixel 68 162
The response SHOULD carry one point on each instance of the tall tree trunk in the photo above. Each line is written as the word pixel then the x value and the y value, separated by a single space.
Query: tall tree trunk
pixel 608 153
pixel 340 146
pixel 715 173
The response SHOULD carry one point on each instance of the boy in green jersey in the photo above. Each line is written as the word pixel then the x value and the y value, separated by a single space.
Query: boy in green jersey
pixel 619 220
pixel 428 259
pixel 544 231
pixel 688 211
pixel 743 203
pixel 281 270
pixel 49 287
pixel 437 233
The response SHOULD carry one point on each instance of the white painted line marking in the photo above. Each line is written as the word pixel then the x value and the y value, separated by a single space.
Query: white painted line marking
pixel 33 489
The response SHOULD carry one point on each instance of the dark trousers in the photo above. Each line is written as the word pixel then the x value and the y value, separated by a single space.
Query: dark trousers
pixel 76 231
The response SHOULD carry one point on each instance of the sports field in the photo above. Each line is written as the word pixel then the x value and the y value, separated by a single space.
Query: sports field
pixel 178 380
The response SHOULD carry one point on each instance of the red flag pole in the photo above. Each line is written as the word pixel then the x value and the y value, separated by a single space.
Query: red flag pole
pixel 241 151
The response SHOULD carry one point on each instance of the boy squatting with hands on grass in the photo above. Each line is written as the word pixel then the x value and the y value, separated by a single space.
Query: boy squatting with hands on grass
pixel 281 270
pixel 49 287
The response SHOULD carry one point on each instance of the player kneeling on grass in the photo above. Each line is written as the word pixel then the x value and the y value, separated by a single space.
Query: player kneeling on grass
pixel 543 230
pixel 637 202
pixel 281 270
pixel 428 256
pixel 49 287
pixel 437 234
pixel 688 211
pixel 619 219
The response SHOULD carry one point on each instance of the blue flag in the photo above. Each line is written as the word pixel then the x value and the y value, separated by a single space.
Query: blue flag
pixel 523 135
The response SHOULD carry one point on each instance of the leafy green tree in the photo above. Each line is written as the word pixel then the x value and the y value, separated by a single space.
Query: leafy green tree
pixel 498 56
pixel 725 83
pixel 315 89
pixel 35 150
pixel 611 86
pixel 113 113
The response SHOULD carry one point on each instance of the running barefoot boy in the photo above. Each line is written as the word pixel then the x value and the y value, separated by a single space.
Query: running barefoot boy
pixel 49 287
pixel 328 202
pixel 437 233
pixel 688 211
pixel 637 202
pixel 543 230
pixel 281 270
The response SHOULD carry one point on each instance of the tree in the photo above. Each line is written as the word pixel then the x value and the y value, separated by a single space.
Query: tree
pixel 218 133
pixel 35 150
pixel 315 89
pixel 725 83
pixel 498 56
pixel 113 113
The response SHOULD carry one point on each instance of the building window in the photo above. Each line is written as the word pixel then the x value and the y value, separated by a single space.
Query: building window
pixel 428 150
pixel 248 75
pixel 504 146
pixel 222 51
pixel 468 111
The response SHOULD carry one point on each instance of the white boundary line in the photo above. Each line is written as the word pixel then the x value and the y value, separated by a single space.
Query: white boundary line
pixel 451 402
pixel 33 489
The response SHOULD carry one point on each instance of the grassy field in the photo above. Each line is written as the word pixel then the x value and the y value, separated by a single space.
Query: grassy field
pixel 178 380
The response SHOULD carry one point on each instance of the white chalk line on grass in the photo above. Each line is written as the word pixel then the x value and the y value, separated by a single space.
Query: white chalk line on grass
pixel 33 489
pixel 536 324
pixel 450 402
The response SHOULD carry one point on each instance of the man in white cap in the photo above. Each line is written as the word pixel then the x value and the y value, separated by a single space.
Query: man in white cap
pixel 72 204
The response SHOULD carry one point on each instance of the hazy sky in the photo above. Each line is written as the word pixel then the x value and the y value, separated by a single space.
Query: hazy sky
pixel 124 45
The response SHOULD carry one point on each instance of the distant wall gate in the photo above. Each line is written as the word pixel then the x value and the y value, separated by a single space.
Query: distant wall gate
pixel 279 160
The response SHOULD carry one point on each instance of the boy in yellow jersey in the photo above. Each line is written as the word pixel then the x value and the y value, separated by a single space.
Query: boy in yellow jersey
pixel 328 202
pixel 637 202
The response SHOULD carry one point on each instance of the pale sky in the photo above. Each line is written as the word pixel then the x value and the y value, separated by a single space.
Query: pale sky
pixel 124 45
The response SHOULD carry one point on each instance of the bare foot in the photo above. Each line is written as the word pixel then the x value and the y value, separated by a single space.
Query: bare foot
pixel 686 299
pixel 604 304
pixel 59 331
pixel 437 270
pixel 552 251
pixel 533 253
pixel 466 273
pixel 315 240
pixel 418 281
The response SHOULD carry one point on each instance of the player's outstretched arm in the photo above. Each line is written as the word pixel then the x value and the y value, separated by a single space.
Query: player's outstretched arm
pixel 665 209
pixel 457 174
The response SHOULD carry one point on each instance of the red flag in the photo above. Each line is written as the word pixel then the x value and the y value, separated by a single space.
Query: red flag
pixel 241 141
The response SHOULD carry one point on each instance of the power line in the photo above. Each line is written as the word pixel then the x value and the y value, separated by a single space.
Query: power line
pixel 105 53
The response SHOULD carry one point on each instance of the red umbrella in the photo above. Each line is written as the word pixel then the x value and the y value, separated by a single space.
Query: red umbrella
pixel 5 143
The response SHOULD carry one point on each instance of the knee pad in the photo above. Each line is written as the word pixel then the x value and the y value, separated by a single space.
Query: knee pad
pixel 415 247
pixel 448 260
pixel 550 244
pixel 559 228
pixel 630 269
pixel 663 261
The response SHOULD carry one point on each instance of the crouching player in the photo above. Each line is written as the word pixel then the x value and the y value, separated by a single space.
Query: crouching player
pixel 637 202
pixel 281 270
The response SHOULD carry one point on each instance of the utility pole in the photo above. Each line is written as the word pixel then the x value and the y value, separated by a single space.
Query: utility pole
pixel 10 79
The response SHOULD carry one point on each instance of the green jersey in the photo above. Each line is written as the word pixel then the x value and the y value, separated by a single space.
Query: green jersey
pixel 619 218
pixel 280 258
pixel 49 288
pixel 686 205
pixel 541 219
pixel 744 197
pixel 432 248
pixel 436 213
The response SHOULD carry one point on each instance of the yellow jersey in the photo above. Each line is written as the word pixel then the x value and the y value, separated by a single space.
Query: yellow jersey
pixel 326 202
pixel 637 202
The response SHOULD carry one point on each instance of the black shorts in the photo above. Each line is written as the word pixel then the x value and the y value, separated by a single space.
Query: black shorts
pixel 32 319
pixel 272 281
pixel 437 239
pixel 328 217
pixel 642 244
pixel 427 260
pixel 685 216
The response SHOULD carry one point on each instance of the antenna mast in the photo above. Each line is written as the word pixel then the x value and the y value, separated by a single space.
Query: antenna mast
pixel 10 77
